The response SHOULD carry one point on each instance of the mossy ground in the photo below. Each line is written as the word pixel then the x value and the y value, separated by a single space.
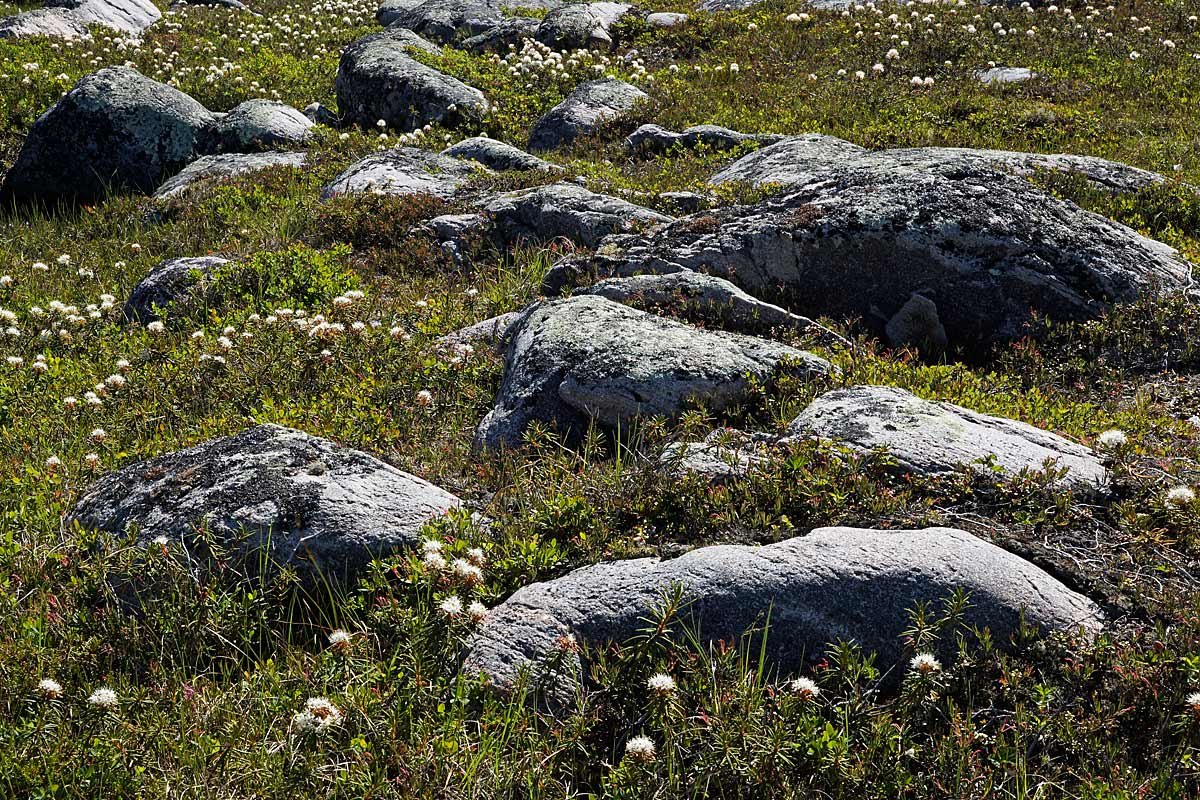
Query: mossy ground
pixel 209 674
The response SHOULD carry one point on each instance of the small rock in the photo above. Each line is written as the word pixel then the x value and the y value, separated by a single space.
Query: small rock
pixel 998 75
pixel 656 139
pixel 490 332
pixel 497 155
pixel 319 114
pixel 583 111
pixel 172 281
pixel 666 19
pixel 917 325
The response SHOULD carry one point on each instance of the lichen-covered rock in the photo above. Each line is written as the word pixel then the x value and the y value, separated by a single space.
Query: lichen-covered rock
pixel 581 25
pixel 583 111
pixel 297 499
pixel 705 299
pixel 447 21
pixel 53 23
pixel 126 16
pixel 666 19
pixel 578 359
pixel 929 438
pixel 835 584
pixel 805 159
pixel 498 155
pixel 402 171
pixel 208 169
pixel 566 211
pixel 378 80
pixel 172 281
pixel 987 249
pixel 657 139
pixel 258 125
pixel 508 33
pixel 115 130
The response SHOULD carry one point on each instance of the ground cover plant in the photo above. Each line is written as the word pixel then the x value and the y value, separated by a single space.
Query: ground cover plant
pixel 152 669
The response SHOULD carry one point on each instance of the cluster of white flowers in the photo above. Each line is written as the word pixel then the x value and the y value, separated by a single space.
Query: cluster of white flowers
pixel 661 684
pixel 539 65
pixel 319 716
pixel 925 663
pixel 466 573
pixel 640 748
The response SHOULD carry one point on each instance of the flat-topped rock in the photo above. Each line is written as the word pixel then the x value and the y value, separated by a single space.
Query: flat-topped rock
pixel 377 79
pixel 449 21
pixel 579 359
pixel 835 584
pixel 403 171
pixel 583 111
pixel 657 139
pixel 708 300
pixel 930 438
pixel 1001 75
pixel 987 250
pixel 209 169
pixel 498 155
pixel 126 16
pixel 52 23
pixel 172 281
pixel 258 125
pixel 115 130
pixel 565 210
pixel 299 500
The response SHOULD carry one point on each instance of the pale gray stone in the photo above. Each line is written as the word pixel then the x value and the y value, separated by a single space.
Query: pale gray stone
pixel 498 155
pixel 172 281
pixel 583 111
pixel 258 125
pixel 578 359
pixel 833 585
pixel 296 499
pixel 209 169
pixel 403 171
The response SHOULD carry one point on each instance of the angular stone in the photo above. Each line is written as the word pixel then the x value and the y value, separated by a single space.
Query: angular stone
pixel 378 80
pixel 708 300
pixel 835 584
pixel 403 171
pixel 997 75
pixel 297 499
pixel 126 16
pixel 987 249
pixel 583 111
pixel 578 359
pixel 115 130
pixel 581 25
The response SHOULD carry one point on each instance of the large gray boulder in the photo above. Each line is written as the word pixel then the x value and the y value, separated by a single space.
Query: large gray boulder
pixel 403 171
pixel 258 125
pixel 53 23
pixel 172 281
pixel 833 585
pixel 986 249
pixel 930 438
pixel 578 359
pixel 581 25
pixel 583 111
pixel 508 33
pixel 209 169
pixel 498 155
pixel 126 16
pixel 652 138
pixel 270 491
pixel 449 21
pixel 708 300
pixel 378 80
pixel 116 129
pixel 566 211
pixel 805 159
